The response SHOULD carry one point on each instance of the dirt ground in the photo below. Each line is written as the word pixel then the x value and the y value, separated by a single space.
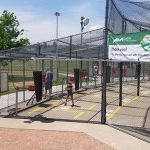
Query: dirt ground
pixel 19 139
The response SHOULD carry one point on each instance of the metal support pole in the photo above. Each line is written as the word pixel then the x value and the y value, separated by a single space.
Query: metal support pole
pixel 82 27
pixel 36 64
pixel 81 64
pixel 76 59
pixel 95 79
pixel 70 46
pixel 103 103
pixel 23 80
pixel 138 78
pixel 120 88
pixel 67 71
pixel 51 65
pixel 88 74
pixel 149 74
pixel 43 64
pixel 81 36
pixel 39 50
pixel 113 74
pixel 16 102
pixel 62 85
pixel 143 71
pixel 101 73
pixel 57 14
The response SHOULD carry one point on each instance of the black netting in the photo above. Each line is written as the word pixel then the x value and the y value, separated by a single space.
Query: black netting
pixel 85 45
pixel 128 16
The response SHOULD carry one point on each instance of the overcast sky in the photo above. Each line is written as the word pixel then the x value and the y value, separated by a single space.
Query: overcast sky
pixel 38 19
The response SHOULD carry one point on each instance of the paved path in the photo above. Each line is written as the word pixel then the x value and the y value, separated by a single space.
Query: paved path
pixel 48 140
pixel 88 105
pixel 103 133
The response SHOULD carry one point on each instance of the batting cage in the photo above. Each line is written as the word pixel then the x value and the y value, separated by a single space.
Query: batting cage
pixel 99 76
pixel 127 37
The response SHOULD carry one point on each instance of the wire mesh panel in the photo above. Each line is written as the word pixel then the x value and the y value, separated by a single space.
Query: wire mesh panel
pixel 16 80
pixel 128 16
pixel 4 99
pixel 86 45
pixel 128 98
pixel 24 83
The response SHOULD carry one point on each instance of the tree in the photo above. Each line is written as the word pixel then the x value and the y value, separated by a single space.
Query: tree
pixel 9 32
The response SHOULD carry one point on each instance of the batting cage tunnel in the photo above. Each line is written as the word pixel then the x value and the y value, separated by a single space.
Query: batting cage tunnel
pixel 109 71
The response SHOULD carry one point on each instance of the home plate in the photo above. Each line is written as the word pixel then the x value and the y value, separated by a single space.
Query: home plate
pixel 108 112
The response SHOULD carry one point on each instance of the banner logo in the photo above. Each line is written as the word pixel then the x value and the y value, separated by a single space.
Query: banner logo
pixel 118 40
pixel 145 43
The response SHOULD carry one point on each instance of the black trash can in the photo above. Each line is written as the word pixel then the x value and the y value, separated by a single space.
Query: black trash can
pixel 37 75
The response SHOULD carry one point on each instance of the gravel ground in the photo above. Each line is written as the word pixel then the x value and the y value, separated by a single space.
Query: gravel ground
pixel 18 139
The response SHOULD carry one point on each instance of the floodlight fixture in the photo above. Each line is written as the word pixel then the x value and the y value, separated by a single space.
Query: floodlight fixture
pixel 82 18
pixel 85 21
pixel 57 14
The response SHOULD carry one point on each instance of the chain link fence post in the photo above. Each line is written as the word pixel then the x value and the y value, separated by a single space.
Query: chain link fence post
pixel 16 113
pixel 23 80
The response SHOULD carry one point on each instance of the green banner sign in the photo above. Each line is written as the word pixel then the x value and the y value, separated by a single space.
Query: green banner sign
pixel 132 46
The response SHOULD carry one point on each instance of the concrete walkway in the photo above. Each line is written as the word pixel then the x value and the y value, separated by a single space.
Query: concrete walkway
pixel 104 133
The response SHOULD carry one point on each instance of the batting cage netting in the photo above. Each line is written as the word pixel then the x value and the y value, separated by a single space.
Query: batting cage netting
pixel 126 16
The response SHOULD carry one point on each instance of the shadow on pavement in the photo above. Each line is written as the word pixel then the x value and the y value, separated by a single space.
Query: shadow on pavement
pixel 138 132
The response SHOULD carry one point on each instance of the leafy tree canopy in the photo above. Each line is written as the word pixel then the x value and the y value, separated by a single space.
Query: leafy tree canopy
pixel 9 32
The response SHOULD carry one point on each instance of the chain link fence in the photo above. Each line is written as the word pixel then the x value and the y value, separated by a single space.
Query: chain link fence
pixel 127 89
pixel 20 77
pixel 128 98
pixel 125 109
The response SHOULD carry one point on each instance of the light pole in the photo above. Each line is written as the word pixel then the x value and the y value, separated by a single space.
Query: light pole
pixel 104 84
pixel 57 14
pixel 82 27
pixel 84 21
